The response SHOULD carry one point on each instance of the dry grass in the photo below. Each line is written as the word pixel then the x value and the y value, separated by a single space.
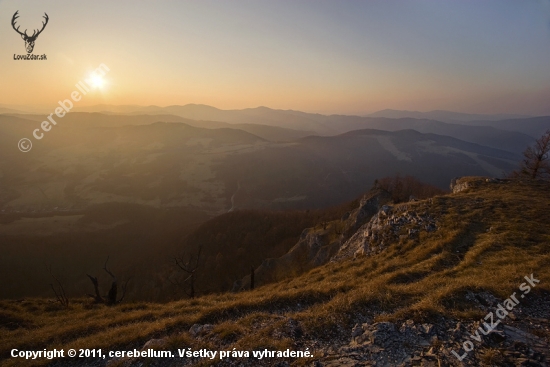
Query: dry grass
pixel 488 239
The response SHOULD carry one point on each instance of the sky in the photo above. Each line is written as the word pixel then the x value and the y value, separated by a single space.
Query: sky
pixel 346 57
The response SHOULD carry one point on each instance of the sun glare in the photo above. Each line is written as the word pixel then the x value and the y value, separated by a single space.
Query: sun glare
pixel 96 81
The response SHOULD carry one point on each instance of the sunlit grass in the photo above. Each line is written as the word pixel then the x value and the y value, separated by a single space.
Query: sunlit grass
pixel 487 240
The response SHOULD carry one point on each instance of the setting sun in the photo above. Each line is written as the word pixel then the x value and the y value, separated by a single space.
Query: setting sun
pixel 96 81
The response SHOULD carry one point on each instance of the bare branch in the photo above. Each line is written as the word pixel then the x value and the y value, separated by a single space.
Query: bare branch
pixel 124 287
pixel 112 295
pixel 97 296
pixel 60 294
pixel 183 266
pixel 535 162
pixel 176 283
pixel 190 267
pixel 107 270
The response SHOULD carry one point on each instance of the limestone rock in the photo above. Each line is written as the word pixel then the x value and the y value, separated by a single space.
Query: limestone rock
pixel 316 246
pixel 390 224
pixel 153 344
pixel 198 329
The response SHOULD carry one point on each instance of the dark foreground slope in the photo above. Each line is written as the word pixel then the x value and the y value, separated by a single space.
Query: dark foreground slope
pixel 413 301
pixel 138 240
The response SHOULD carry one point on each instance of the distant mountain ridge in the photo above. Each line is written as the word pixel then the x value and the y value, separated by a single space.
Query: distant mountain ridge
pixel 444 116
pixel 514 133
pixel 8 110
pixel 174 164
pixel 533 126
pixel 492 136
pixel 103 119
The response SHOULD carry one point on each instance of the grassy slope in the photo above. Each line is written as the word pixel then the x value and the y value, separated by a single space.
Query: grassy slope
pixel 488 239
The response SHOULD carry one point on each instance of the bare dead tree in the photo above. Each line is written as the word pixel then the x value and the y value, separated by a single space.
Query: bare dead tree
pixel 111 298
pixel 190 267
pixel 97 297
pixel 112 295
pixel 535 162
pixel 58 290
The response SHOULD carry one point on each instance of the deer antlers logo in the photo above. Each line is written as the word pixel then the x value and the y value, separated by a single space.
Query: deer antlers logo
pixel 29 40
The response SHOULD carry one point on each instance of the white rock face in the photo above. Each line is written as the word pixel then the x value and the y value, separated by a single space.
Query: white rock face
pixel 390 224
pixel 315 246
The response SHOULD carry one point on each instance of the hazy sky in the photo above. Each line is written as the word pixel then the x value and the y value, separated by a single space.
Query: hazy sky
pixel 350 57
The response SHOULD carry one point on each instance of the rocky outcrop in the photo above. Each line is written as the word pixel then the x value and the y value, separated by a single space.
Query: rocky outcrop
pixel 424 344
pixel 368 206
pixel 390 224
pixel 459 184
pixel 367 230
pixel 198 329
pixel 316 246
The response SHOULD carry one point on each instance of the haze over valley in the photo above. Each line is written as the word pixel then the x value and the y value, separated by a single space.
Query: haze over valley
pixel 218 165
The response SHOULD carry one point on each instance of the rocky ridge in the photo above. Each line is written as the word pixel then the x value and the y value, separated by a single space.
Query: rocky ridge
pixel 318 245
pixel 390 224
pixel 514 342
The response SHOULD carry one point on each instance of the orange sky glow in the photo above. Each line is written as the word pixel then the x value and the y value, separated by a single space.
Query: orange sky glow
pixel 329 57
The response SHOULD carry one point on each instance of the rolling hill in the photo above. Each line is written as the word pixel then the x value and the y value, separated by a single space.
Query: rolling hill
pixel 534 126
pixel 173 164
pixel 507 132
pixel 88 120
pixel 414 300
pixel 444 116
